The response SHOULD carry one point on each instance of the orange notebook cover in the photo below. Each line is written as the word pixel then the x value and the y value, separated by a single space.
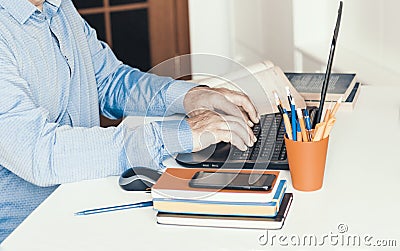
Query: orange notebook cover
pixel 174 184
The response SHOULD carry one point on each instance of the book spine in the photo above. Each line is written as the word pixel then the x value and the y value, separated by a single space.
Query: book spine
pixel 219 196
pixel 269 209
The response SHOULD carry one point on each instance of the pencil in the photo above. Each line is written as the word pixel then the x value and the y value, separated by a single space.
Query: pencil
pixel 319 131
pixel 299 136
pixel 336 107
pixel 302 125
pixel 288 126
pixel 327 115
pixel 278 102
pixel 293 111
pixel 328 127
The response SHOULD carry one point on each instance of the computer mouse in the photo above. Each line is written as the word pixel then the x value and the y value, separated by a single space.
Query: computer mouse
pixel 139 178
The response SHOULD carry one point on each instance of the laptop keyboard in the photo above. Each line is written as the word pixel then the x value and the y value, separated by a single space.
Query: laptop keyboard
pixel 270 145
pixel 270 141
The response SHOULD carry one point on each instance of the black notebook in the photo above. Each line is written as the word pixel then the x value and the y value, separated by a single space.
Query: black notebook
pixel 309 85
pixel 229 221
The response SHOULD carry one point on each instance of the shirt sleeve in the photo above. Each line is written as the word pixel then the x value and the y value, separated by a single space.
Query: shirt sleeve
pixel 127 91
pixel 46 153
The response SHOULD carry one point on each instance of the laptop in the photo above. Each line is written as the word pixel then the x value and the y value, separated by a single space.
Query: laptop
pixel 269 151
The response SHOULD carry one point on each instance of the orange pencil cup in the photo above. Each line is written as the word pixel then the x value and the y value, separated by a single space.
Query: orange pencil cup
pixel 307 163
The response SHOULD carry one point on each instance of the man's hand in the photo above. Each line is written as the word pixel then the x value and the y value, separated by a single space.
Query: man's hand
pixel 209 127
pixel 219 114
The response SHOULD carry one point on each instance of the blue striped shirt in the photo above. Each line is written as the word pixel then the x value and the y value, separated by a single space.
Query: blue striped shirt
pixel 55 80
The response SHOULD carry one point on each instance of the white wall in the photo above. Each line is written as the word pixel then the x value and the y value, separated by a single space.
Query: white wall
pixel 263 29
pixel 246 31
pixel 368 43
pixel 210 28
pixel 373 30
pixel 295 34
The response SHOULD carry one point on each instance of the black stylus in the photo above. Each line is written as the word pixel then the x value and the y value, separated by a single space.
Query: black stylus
pixel 317 119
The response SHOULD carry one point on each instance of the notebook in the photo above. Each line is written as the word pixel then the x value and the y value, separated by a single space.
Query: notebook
pixel 229 221
pixel 269 150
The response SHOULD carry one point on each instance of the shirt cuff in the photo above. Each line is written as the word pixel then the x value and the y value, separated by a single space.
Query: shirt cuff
pixel 175 95
pixel 176 136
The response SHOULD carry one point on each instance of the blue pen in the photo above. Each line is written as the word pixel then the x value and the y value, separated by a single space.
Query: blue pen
pixel 116 208
pixel 308 123
pixel 293 110
pixel 294 120
pixel 299 137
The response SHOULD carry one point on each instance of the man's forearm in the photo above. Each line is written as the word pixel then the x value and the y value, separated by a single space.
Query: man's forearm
pixel 130 92
pixel 150 144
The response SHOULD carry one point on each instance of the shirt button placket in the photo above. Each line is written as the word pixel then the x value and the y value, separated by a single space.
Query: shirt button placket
pixel 63 50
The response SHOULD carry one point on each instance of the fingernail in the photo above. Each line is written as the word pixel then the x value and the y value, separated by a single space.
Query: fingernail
pixel 250 123
pixel 254 138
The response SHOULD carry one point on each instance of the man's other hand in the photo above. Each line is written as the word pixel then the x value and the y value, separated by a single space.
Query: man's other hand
pixel 219 114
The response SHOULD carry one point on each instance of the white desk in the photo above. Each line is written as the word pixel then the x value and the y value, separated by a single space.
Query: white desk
pixel 361 190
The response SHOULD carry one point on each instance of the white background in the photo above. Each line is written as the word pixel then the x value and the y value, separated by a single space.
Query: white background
pixel 296 34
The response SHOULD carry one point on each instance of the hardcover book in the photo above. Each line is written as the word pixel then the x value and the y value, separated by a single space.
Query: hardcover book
pixel 309 85
pixel 347 105
pixel 229 221
pixel 174 184
pixel 212 207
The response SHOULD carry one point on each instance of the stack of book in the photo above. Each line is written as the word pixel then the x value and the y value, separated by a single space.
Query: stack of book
pixel 343 85
pixel 178 203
